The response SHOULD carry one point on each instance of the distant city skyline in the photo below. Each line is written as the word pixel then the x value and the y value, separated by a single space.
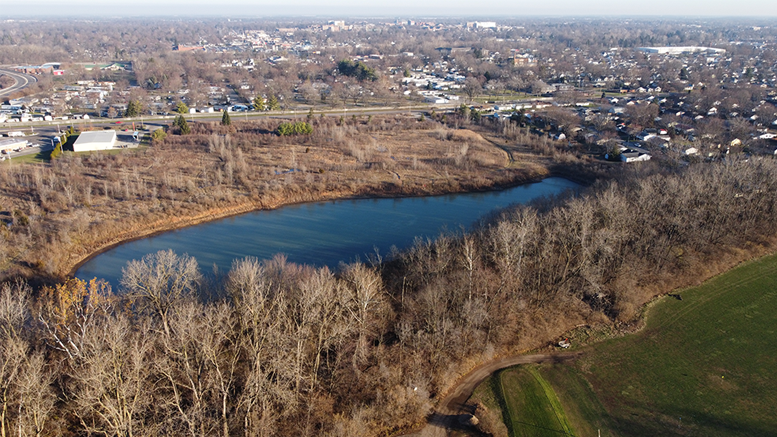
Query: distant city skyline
pixel 398 8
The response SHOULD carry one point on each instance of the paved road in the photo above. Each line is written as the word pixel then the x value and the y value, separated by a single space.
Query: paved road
pixel 416 109
pixel 453 406
pixel 22 80
pixel 50 127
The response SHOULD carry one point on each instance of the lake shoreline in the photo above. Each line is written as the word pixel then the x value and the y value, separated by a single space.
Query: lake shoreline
pixel 248 207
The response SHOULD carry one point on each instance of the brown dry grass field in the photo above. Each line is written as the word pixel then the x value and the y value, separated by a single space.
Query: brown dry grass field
pixel 59 214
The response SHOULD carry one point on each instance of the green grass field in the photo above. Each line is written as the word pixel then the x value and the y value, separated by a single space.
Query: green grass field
pixel 36 158
pixel 531 404
pixel 703 366
pixel 585 412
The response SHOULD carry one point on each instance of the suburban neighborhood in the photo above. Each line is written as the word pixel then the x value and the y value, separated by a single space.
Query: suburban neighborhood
pixel 624 99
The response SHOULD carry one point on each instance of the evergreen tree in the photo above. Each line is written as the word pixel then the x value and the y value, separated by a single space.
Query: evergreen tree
pixel 272 103
pixel 182 124
pixel 133 109
pixel 359 70
pixel 225 120
pixel 298 128
pixel 185 129
pixel 259 103
pixel 684 74
pixel 181 108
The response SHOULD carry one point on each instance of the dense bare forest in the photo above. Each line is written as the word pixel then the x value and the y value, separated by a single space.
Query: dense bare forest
pixel 273 348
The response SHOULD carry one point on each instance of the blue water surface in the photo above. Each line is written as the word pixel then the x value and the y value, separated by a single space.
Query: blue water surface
pixel 320 233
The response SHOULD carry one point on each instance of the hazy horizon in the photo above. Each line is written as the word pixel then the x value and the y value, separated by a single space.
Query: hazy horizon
pixel 401 8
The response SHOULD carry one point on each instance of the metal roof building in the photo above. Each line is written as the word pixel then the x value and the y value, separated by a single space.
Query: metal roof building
pixel 12 144
pixel 95 140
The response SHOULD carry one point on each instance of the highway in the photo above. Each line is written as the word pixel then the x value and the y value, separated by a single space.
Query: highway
pixel 50 127
pixel 45 130
pixel 22 80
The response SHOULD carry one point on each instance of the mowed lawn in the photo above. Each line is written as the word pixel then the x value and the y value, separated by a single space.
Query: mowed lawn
pixel 533 409
pixel 705 365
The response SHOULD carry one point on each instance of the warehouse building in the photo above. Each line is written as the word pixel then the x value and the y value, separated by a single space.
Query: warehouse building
pixel 7 146
pixel 95 140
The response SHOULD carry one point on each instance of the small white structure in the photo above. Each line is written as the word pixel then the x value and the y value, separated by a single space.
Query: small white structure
pixel 95 140
pixel 435 99
pixel 634 156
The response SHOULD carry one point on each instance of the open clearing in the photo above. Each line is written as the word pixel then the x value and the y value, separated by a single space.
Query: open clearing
pixel 529 405
pixel 702 366
pixel 532 405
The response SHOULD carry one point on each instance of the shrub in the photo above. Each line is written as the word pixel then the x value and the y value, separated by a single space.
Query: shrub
pixel 21 218
pixel 57 152
pixel 158 135
pixel 298 128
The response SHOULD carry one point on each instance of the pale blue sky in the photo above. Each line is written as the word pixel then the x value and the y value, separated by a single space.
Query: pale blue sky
pixel 405 8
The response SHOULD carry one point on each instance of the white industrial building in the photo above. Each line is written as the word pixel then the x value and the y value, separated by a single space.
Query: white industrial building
pixel 7 146
pixel 681 50
pixel 481 24
pixel 95 140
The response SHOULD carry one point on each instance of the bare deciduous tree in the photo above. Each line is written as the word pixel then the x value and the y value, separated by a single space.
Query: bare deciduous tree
pixel 160 280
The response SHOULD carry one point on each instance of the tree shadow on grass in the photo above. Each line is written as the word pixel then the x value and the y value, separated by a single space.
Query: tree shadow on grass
pixel 544 428
pixel 688 422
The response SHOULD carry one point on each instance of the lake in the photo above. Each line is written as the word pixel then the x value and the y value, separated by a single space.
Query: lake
pixel 320 233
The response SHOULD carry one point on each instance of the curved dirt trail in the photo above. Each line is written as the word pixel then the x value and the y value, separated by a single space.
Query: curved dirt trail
pixel 452 407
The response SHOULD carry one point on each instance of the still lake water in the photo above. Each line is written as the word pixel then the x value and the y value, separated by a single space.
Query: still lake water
pixel 321 233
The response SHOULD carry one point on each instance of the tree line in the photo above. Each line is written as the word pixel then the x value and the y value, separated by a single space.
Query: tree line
pixel 272 348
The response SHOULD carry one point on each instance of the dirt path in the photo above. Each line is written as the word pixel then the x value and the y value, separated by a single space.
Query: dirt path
pixel 503 148
pixel 453 406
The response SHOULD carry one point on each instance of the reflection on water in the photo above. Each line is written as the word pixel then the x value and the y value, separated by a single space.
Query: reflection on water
pixel 322 233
